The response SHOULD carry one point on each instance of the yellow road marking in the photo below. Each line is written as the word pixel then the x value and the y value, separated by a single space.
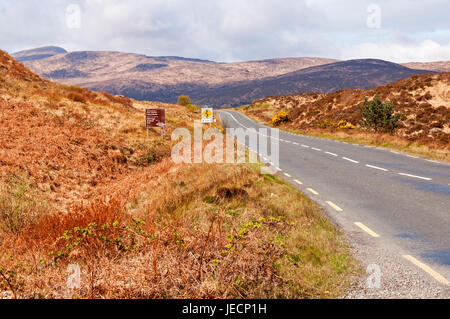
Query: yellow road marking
pixel 279 169
pixel 298 182
pixel 367 229
pixel 313 191
pixel 336 207
pixel 287 174
pixel 427 269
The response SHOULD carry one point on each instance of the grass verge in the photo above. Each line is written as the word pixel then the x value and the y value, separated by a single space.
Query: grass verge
pixel 225 231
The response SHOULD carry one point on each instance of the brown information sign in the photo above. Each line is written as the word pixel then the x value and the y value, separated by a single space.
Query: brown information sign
pixel 155 117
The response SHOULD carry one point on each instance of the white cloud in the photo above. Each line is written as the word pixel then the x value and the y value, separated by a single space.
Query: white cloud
pixel 234 29
pixel 427 50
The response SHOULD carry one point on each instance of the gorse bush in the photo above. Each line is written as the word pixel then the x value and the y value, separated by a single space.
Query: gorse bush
pixel 378 116
pixel 184 100
pixel 280 118
pixel 342 124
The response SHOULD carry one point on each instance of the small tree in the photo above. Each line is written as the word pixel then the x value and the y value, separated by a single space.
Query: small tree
pixel 378 116
pixel 184 100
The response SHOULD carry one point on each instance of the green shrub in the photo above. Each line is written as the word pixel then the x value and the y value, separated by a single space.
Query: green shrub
pixel 184 100
pixel 378 116
pixel 192 108
pixel 153 153
pixel 18 205
pixel 9 279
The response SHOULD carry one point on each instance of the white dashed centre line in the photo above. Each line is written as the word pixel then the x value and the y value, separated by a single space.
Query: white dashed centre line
pixel 367 229
pixel 295 143
pixel 415 176
pixel 427 269
pixel 316 149
pixel 331 153
pixel 298 182
pixel 376 167
pixel 305 146
pixel 336 207
pixel 286 174
pixel 313 191
pixel 350 160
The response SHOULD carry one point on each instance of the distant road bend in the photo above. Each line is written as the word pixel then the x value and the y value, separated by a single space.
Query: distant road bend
pixel 400 200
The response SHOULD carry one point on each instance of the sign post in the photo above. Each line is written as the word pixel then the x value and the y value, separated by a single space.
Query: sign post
pixel 207 115
pixel 155 118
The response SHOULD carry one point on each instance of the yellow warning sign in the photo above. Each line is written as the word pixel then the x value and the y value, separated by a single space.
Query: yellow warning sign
pixel 207 115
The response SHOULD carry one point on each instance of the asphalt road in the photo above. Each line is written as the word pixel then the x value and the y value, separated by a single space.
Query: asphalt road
pixel 394 199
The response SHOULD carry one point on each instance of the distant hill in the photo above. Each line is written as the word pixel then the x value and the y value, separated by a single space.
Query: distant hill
pixel 158 78
pixel 440 66
pixel 362 74
pixel 207 82
pixel 38 54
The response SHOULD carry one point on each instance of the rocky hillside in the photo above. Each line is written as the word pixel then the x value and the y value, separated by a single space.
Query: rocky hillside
pixel 70 141
pixel 423 101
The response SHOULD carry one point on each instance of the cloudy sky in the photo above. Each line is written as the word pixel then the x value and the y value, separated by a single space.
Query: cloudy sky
pixel 234 30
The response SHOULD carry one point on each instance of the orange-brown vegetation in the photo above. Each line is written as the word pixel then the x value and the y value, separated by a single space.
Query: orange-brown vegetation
pixel 423 101
pixel 216 235
pixel 82 185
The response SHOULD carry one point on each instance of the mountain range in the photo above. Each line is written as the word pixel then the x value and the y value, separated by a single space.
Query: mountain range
pixel 164 78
